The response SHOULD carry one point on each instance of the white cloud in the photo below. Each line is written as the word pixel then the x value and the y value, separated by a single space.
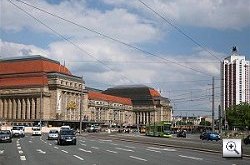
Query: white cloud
pixel 119 23
pixel 218 14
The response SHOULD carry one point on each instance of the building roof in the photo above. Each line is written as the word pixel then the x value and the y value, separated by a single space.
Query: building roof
pixel 28 71
pixel 93 95
pixel 31 64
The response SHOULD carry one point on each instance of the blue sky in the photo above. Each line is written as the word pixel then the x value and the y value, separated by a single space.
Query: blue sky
pixel 216 25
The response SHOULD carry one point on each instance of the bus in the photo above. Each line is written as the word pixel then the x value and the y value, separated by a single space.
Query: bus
pixel 160 129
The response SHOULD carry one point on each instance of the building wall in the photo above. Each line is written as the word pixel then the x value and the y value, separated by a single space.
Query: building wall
pixel 235 81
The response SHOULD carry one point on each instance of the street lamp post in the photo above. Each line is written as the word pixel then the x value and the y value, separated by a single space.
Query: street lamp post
pixel 80 131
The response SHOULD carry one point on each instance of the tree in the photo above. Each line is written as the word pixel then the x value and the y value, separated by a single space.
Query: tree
pixel 205 123
pixel 238 116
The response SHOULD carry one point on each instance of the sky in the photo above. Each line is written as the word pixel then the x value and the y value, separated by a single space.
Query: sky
pixel 173 46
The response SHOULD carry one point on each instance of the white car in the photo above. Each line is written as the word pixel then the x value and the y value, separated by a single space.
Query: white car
pixel 53 135
pixel 18 131
pixel 36 131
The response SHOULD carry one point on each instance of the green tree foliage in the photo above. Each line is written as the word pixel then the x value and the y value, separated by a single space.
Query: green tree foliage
pixel 239 116
pixel 205 123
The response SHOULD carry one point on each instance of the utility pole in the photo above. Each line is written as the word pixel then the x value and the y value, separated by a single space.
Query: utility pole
pixel 80 131
pixel 220 119
pixel 213 104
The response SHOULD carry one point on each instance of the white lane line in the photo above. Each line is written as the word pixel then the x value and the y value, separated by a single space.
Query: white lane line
pixel 97 148
pixel 112 151
pixel 1 151
pixel 78 157
pixel 190 157
pixel 83 144
pixel 114 144
pixel 162 149
pixel 82 141
pixel 30 142
pixel 19 148
pixel 130 147
pixel 134 157
pixel 18 144
pixel 124 149
pixel 104 140
pixel 22 157
pixel 85 150
pixel 40 151
pixel 20 152
pixel 56 147
pixel 65 151
pixel 153 150
pixel 50 144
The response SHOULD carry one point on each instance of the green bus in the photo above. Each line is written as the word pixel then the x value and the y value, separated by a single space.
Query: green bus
pixel 160 129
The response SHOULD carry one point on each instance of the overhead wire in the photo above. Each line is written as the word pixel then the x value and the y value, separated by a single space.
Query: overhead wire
pixel 114 39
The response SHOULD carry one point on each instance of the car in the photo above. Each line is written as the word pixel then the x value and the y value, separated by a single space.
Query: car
pixel 18 131
pixel 5 136
pixel 66 136
pixel 181 134
pixel 67 127
pixel 36 131
pixel 53 135
pixel 247 140
pixel 210 136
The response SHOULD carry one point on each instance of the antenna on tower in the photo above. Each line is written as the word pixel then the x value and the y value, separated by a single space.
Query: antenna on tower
pixel 234 49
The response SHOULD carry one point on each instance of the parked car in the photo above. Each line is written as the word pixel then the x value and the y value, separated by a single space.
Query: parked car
pixel 247 140
pixel 182 134
pixel 5 136
pixel 210 136
pixel 36 131
pixel 18 131
pixel 53 134
pixel 66 136
pixel 65 127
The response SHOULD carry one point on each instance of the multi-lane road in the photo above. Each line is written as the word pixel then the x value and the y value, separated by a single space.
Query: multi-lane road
pixel 103 150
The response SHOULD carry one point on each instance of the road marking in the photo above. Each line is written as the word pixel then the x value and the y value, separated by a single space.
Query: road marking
pixel 104 140
pixel 18 144
pixel 114 144
pixel 124 149
pixel 82 141
pixel 162 149
pixel 153 150
pixel 22 157
pixel 40 151
pixel 30 142
pixel 130 147
pixel 56 147
pixel 190 157
pixel 134 157
pixel 85 150
pixel 65 151
pixel 50 144
pixel 83 144
pixel 19 148
pixel 1 151
pixel 95 148
pixel 112 151
pixel 78 157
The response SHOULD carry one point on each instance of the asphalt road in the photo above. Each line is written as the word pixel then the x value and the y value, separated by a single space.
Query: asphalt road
pixel 98 150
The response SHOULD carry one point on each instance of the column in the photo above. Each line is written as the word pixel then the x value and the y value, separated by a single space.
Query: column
pixel 18 109
pixel 14 109
pixel 23 109
pixel 28 108
pixel 33 108
pixel 10 109
pixel 5 109
pixel 1 108
pixel 37 115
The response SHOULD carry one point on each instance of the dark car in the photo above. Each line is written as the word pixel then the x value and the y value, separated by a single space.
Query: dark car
pixel 210 136
pixel 66 136
pixel 5 136
pixel 181 134
pixel 247 140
